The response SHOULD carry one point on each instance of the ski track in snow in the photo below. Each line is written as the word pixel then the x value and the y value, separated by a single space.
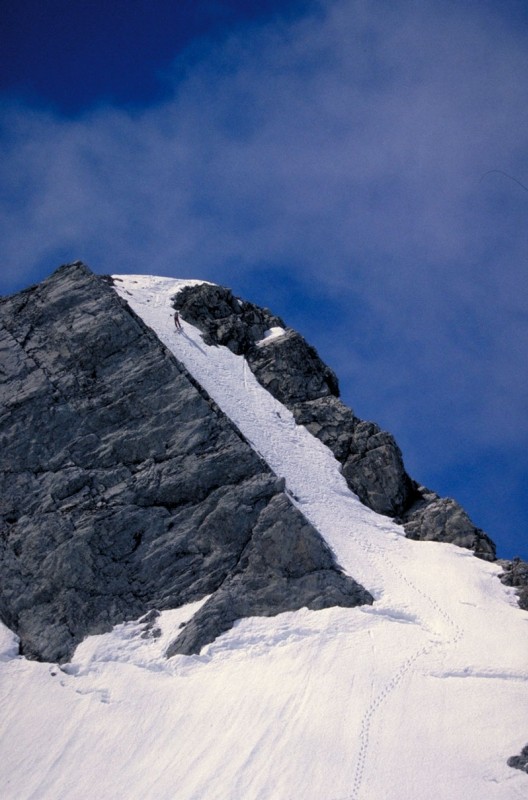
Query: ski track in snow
pixel 313 480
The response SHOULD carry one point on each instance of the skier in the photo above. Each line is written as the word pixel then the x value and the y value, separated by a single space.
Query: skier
pixel 177 323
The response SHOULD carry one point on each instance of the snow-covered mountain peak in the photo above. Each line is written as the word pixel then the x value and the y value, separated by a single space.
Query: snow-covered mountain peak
pixel 420 693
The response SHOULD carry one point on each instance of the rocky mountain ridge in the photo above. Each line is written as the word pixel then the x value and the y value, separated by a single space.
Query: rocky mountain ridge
pixel 124 488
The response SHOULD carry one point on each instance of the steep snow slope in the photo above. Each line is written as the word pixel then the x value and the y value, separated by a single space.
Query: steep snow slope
pixel 422 695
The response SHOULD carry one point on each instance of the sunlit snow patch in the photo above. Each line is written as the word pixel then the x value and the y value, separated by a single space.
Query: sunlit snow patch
pixel 142 642
pixel 270 336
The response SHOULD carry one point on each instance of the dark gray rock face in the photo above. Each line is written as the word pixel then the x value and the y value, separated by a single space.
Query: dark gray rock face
pixel 520 761
pixel 223 318
pixel 123 487
pixel 371 459
pixel 441 519
pixel 516 574
pixel 290 369
pixel 293 372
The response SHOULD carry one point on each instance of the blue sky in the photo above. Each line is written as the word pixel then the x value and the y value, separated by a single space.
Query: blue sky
pixel 359 167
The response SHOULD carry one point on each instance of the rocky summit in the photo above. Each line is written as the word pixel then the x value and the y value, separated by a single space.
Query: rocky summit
pixel 124 488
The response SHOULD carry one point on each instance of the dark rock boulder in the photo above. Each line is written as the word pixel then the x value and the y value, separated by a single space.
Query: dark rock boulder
pixel 516 574
pixel 520 761
pixel 223 318
pixel 292 371
pixel 441 519
pixel 123 487
pixel 372 461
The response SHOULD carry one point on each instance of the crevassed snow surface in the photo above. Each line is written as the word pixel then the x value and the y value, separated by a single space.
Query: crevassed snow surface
pixel 422 696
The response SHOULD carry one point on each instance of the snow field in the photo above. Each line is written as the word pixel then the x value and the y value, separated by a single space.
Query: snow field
pixel 422 695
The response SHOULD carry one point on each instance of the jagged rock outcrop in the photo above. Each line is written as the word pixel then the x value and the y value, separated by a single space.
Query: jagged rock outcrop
pixel 124 488
pixel 372 461
pixel 516 574
pixel 293 372
pixel 430 514
pixel 223 318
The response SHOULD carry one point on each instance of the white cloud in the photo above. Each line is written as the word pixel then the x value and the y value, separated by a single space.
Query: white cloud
pixel 348 147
